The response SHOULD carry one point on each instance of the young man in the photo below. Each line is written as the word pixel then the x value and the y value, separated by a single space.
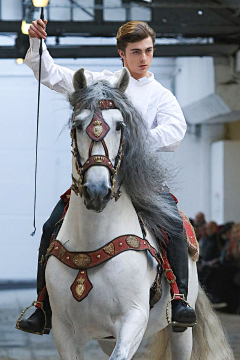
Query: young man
pixel 160 109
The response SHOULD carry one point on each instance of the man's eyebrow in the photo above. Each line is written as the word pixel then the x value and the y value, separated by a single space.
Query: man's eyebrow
pixel 150 47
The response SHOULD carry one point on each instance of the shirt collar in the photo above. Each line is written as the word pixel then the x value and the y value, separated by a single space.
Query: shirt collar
pixel 143 80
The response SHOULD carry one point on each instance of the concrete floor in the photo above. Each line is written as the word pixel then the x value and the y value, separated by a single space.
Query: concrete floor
pixel 18 345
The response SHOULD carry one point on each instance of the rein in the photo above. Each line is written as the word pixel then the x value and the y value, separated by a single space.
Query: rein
pixel 97 130
pixel 36 149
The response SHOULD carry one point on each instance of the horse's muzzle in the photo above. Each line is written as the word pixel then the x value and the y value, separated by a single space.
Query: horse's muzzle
pixel 96 197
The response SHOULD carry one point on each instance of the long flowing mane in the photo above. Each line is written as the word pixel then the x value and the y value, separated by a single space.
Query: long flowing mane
pixel 141 169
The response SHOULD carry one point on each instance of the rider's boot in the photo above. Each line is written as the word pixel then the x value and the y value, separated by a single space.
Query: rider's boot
pixel 183 315
pixel 36 322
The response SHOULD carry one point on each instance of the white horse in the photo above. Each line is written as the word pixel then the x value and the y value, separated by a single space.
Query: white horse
pixel 116 310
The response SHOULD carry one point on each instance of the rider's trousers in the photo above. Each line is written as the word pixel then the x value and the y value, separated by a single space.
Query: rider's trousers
pixel 48 228
pixel 177 250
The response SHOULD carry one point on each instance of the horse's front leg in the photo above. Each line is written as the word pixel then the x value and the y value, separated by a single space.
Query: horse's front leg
pixel 65 340
pixel 130 333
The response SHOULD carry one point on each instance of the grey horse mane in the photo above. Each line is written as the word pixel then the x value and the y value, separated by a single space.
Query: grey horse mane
pixel 141 169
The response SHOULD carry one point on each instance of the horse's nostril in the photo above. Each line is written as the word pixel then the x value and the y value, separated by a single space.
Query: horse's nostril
pixel 87 192
pixel 108 196
pixel 101 194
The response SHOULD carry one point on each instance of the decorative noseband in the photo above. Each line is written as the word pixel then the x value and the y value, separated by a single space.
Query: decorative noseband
pixel 97 130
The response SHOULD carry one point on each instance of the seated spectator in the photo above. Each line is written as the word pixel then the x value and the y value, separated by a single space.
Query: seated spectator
pixel 230 259
pixel 199 219
pixel 208 265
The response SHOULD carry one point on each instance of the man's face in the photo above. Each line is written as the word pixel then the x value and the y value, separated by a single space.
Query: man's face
pixel 137 57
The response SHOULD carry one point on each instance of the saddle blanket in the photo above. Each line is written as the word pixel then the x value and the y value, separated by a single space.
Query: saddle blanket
pixel 193 246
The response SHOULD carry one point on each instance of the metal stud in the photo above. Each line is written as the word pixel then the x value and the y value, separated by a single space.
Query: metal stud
pixel 120 244
pixel 56 248
pixel 82 272
pixel 67 257
pixel 110 103
pixel 144 242
pixel 98 256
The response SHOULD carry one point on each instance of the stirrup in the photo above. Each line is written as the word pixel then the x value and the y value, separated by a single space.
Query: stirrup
pixel 24 311
pixel 179 327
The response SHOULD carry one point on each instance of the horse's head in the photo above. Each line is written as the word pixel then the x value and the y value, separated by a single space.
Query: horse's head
pixel 97 135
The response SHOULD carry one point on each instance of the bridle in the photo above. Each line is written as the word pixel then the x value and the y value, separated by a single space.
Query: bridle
pixel 97 130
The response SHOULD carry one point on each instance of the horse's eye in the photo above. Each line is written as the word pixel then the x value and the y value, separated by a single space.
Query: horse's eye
pixel 79 127
pixel 118 126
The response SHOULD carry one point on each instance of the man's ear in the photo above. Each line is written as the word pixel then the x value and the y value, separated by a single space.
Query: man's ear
pixel 121 53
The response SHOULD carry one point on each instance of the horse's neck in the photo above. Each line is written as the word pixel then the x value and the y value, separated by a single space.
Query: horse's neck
pixel 86 230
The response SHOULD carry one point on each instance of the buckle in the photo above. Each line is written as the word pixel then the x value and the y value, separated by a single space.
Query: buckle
pixel 166 272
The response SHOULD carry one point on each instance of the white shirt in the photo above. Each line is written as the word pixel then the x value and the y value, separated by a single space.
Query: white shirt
pixel 158 105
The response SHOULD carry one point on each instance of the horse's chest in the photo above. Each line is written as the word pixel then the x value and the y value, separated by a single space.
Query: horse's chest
pixel 122 277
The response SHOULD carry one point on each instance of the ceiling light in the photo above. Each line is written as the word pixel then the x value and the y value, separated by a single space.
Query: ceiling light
pixel 19 61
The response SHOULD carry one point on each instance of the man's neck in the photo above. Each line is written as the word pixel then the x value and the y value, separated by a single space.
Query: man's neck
pixel 137 76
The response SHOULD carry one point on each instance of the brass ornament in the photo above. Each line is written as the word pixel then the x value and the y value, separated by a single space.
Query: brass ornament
pixel 81 261
pixel 133 241
pixel 97 128
pixel 98 159
pixel 80 185
pixel 109 249
pixel 51 246
pixel 80 288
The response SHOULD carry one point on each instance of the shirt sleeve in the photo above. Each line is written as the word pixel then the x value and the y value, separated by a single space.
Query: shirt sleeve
pixel 54 76
pixel 171 124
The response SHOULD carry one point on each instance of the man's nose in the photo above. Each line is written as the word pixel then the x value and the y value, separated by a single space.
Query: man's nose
pixel 144 57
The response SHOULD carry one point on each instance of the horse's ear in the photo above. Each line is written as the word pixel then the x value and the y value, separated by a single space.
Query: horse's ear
pixel 124 80
pixel 79 80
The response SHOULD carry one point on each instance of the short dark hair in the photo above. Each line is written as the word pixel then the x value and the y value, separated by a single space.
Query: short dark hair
pixel 132 32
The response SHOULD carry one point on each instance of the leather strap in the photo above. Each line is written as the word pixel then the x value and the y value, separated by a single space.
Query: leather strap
pixel 87 260
pixel 106 105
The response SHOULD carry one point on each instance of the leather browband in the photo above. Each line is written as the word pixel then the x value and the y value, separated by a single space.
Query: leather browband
pixel 106 105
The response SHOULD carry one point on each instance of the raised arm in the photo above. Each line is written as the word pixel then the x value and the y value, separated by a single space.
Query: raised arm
pixel 54 76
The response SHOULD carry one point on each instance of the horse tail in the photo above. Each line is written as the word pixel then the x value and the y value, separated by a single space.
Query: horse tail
pixel 156 347
pixel 209 338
